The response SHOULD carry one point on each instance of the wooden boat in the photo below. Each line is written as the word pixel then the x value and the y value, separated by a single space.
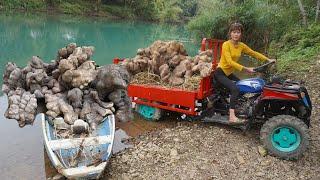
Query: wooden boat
pixel 90 153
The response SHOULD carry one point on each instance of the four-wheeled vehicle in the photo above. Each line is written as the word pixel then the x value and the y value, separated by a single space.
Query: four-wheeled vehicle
pixel 282 106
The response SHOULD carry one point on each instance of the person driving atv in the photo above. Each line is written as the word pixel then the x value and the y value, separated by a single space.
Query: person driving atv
pixel 231 52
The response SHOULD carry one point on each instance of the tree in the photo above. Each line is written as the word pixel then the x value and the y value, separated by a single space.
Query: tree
pixel 317 11
pixel 168 11
pixel 98 3
pixel 303 13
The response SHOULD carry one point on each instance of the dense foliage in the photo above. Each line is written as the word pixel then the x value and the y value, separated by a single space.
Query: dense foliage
pixel 23 4
pixel 163 10
pixel 297 49
pixel 154 10
pixel 263 20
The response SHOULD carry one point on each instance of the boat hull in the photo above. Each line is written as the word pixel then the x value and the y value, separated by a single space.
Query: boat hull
pixel 100 144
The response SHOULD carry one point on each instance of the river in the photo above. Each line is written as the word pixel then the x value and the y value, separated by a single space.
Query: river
pixel 22 36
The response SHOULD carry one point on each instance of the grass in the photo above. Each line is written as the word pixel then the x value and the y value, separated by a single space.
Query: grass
pixel 298 49
pixel 118 11
pixel 72 8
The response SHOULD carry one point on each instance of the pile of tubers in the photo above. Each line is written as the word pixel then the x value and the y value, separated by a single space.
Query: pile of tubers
pixel 170 61
pixel 72 86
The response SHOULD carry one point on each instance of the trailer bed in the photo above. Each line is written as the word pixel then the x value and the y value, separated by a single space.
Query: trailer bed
pixel 175 99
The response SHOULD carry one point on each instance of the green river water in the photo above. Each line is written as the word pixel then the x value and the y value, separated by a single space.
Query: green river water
pixel 22 36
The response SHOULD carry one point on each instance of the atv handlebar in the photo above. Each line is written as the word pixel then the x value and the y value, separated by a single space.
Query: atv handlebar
pixel 263 68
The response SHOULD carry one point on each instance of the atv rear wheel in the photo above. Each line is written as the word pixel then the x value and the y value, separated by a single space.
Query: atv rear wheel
pixel 148 112
pixel 285 136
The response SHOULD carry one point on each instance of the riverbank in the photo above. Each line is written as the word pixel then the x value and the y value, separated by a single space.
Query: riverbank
pixel 201 151
pixel 152 11
pixel 79 8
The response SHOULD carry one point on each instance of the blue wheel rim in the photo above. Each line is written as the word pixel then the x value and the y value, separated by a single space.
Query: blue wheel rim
pixel 147 111
pixel 285 139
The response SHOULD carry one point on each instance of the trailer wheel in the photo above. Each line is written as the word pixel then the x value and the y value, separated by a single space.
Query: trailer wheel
pixel 285 136
pixel 148 112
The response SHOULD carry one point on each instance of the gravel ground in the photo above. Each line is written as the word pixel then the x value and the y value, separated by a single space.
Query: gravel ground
pixel 202 151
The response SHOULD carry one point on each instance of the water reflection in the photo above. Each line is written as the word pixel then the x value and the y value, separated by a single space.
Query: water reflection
pixel 35 34
pixel 21 152
pixel 69 36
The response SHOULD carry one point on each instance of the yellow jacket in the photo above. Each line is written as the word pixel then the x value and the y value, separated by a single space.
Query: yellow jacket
pixel 230 56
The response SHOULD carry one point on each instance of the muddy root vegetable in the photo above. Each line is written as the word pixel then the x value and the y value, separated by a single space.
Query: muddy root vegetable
pixel 22 106
pixel 110 78
pixel 68 86
pixel 75 97
pixel 170 61
pixel 122 104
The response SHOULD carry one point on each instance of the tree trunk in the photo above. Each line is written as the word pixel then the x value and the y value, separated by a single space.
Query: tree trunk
pixel 303 13
pixel 317 11
pixel 98 3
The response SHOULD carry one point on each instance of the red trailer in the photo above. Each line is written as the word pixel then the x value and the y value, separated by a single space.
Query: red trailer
pixel 152 100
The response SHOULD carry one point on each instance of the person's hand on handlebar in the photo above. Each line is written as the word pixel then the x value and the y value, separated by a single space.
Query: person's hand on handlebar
pixel 249 70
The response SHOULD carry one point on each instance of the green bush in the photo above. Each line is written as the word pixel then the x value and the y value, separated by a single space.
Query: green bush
pixel 169 11
pixel 189 7
pixel 119 11
pixel 214 17
pixel 35 4
pixel 153 10
pixel 72 8
pixel 145 9
pixel 297 49
pixel 163 10
pixel 24 4
pixel 263 21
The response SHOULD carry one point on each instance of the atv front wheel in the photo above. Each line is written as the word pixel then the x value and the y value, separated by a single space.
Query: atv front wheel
pixel 285 136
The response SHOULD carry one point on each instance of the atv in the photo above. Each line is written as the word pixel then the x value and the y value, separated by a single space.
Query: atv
pixel 282 106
